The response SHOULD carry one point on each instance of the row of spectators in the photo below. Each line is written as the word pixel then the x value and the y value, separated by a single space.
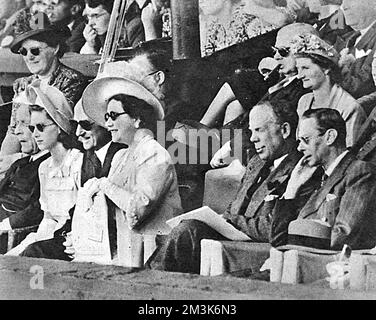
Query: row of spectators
pixel 310 174
pixel 88 21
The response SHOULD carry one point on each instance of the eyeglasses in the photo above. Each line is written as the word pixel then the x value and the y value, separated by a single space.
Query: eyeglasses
pixel 94 16
pixel 40 127
pixel 282 51
pixel 113 115
pixel 84 124
pixel 306 140
pixel 34 51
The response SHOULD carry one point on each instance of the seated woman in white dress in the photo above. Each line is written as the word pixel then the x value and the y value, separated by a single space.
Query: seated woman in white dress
pixel 142 182
pixel 59 175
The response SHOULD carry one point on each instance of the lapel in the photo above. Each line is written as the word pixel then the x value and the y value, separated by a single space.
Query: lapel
pixel 277 177
pixel 112 149
pixel 317 199
pixel 255 164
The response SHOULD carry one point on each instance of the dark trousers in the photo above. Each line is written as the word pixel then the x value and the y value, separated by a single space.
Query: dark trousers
pixel 181 251
pixel 47 249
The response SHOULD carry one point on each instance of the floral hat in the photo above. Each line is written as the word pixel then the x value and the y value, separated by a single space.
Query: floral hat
pixel 309 44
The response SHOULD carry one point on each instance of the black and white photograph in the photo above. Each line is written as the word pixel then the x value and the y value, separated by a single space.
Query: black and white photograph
pixel 187 155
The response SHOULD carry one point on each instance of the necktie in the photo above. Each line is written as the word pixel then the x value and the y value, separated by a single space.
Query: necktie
pixel 97 165
pixel 263 175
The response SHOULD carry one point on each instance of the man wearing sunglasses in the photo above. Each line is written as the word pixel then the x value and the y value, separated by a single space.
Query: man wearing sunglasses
pixel 98 154
pixel 20 190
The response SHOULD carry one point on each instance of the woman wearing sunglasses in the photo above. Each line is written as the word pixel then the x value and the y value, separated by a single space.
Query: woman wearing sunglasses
pixel 41 46
pixel 317 64
pixel 59 175
pixel 142 182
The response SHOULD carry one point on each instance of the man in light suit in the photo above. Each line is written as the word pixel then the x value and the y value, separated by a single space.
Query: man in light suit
pixel 357 57
pixel 346 200
pixel 98 155
pixel 273 134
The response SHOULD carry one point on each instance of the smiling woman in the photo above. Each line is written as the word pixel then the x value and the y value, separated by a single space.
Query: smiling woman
pixel 59 175
pixel 317 64
pixel 41 46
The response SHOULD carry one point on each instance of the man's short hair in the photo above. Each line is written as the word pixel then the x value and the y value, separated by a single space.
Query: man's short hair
pixel 160 59
pixel 74 2
pixel 107 4
pixel 328 119
pixel 284 113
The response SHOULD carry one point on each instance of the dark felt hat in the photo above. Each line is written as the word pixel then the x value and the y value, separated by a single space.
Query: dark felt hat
pixel 309 233
pixel 28 26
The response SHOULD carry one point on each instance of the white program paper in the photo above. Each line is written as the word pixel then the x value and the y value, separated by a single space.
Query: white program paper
pixel 213 220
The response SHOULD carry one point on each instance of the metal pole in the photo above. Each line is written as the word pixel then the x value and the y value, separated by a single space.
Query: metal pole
pixel 185 29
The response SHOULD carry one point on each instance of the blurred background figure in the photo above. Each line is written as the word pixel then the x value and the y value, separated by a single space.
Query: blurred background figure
pixel 69 13
pixel 227 22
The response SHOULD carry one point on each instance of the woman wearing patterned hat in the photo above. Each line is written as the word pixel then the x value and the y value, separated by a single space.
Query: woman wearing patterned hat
pixel 42 45
pixel 317 64
pixel 59 175
pixel 142 182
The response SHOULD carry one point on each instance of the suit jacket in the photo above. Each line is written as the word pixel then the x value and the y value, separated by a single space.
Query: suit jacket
pixel 88 172
pixel 290 94
pixel 347 202
pixel 357 78
pixel 19 192
pixel 76 41
pixel 256 219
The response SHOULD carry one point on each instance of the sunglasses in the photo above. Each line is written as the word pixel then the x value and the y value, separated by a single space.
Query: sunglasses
pixel 282 51
pixel 34 51
pixel 113 115
pixel 40 127
pixel 84 124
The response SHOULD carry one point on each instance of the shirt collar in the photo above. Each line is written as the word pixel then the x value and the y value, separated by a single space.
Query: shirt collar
pixel 101 153
pixel 278 161
pixel 335 163
pixel 38 155
pixel 70 26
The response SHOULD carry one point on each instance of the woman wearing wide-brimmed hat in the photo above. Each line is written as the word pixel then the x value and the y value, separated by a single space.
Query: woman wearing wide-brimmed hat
pixel 41 45
pixel 142 182
pixel 59 175
pixel 317 64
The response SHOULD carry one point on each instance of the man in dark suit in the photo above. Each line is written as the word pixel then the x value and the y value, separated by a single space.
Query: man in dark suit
pixel 346 200
pixel 69 13
pixel 356 58
pixel 273 134
pixel 99 152
pixel 19 190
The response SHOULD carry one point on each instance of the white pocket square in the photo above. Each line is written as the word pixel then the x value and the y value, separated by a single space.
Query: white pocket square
pixel 330 197
pixel 270 197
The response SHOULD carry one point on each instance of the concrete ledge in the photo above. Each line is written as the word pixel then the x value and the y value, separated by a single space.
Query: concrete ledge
pixel 65 280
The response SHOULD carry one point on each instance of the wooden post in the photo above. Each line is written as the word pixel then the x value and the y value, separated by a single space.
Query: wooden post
pixel 185 29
